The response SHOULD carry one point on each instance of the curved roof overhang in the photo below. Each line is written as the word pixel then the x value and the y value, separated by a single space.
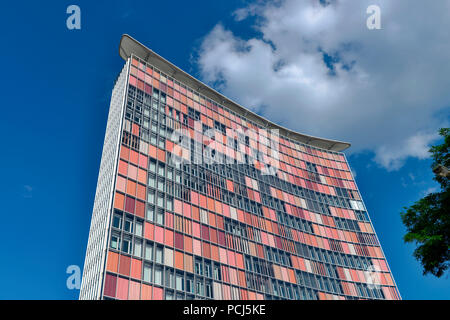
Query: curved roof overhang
pixel 129 45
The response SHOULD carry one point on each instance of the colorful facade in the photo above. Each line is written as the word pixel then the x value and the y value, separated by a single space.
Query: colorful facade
pixel 167 224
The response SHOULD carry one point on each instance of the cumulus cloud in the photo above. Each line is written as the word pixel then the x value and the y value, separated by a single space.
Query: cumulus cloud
pixel 316 68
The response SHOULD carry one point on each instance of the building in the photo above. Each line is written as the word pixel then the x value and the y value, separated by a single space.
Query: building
pixel 199 198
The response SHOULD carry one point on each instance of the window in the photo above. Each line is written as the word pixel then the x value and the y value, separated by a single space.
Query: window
pixel 151 180
pixel 179 282
pixel 128 225
pixel 161 143
pixel 160 217
pixel 117 221
pixel 152 166
pixel 158 275
pixel 208 289
pixel 150 213
pixel 161 184
pixel 138 229
pixel 147 272
pixel 198 267
pixel 126 245
pixel 151 196
pixel 160 200
pixel 138 248
pixel 159 254
pixel 170 282
pixel 190 284
pixel 161 169
pixel 169 295
pixel 199 288
pixel 208 272
pixel 169 203
pixel 148 251
pixel 115 242
pixel 217 272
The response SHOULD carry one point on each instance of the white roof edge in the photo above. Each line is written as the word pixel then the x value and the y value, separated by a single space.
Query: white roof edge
pixel 129 45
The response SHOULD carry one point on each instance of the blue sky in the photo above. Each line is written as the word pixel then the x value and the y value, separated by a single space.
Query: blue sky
pixel 57 85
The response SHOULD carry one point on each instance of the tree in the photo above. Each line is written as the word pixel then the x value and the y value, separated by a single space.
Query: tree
pixel 428 220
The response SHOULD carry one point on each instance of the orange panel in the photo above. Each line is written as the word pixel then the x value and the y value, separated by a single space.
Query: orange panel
pixel 188 244
pixel 161 155
pixel 124 265
pixel 140 209
pixel 206 251
pixel 123 168
pixel 146 292
pixel 214 252
pixel 148 232
pixel 141 192
pixel 118 201
pixel 179 260
pixel 188 266
pixel 124 153
pixel 131 188
pixel 168 239
pixel 152 151
pixel 142 176
pixel 112 262
pixel 136 268
pixel 134 157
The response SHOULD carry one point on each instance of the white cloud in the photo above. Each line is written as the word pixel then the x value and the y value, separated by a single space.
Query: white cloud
pixel 382 93
pixel 28 191
pixel 429 190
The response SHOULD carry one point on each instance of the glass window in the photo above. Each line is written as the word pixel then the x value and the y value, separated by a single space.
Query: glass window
pixel 160 200
pixel 147 272
pixel 138 248
pixel 170 282
pixel 158 275
pixel 160 217
pixel 198 267
pixel 126 245
pixel 117 221
pixel 152 166
pixel 115 242
pixel 199 287
pixel 128 225
pixel 190 284
pixel 150 213
pixel 161 169
pixel 179 282
pixel 159 254
pixel 148 251
pixel 151 196
pixel 151 180
pixel 138 229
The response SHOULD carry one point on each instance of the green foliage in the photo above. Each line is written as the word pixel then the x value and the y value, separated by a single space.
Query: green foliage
pixel 428 220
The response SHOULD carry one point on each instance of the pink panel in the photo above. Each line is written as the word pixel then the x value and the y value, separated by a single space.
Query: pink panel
pixel 132 172
pixel 196 229
pixel 157 293
pixel 159 234
pixel 223 255
pixel 122 288
pixel 197 247
pixel 121 182
pixel 134 293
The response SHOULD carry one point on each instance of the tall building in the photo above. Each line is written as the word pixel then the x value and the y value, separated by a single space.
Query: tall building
pixel 200 198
